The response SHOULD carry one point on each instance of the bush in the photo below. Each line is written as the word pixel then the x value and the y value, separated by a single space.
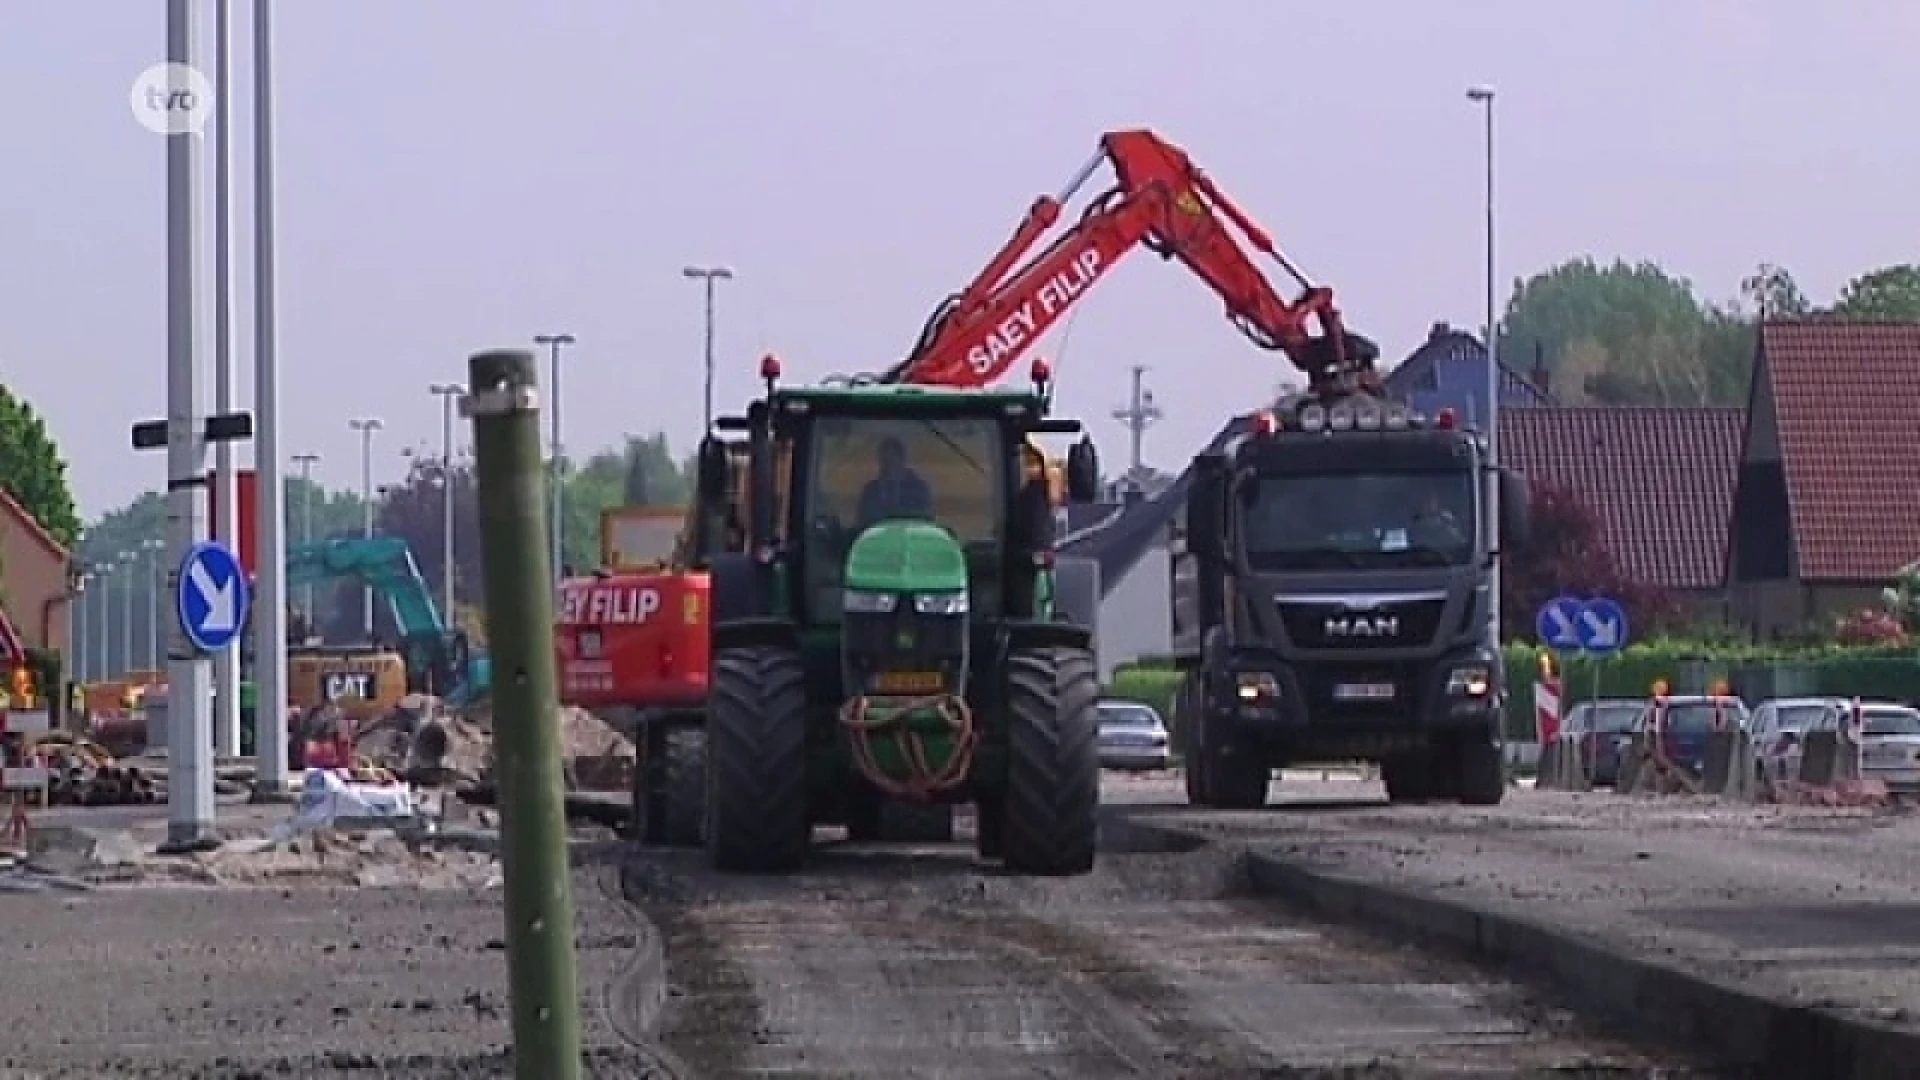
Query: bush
pixel 1155 686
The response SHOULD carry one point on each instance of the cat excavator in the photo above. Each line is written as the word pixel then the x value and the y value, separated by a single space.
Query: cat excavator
pixel 638 640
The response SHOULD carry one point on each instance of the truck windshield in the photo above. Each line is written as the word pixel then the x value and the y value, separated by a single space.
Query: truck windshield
pixel 1360 521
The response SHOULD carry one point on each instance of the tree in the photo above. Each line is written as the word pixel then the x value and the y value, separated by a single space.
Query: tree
pixel 1889 294
pixel 1567 556
pixel 1640 335
pixel 642 473
pixel 32 470
pixel 1773 294
pixel 415 511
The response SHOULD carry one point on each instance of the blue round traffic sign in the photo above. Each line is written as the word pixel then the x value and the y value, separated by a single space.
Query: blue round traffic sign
pixel 212 596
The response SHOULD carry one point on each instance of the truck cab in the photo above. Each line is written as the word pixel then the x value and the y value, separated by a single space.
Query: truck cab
pixel 1333 591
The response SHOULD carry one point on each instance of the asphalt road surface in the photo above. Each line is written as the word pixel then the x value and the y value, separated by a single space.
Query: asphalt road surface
pixel 876 962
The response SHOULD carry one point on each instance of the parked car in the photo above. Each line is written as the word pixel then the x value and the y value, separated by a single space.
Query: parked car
pixel 1687 720
pixel 1605 729
pixel 1890 745
pixel 1778 728
pixel 1133 736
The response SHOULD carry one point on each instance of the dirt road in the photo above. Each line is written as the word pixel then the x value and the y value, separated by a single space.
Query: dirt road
pixel 883 963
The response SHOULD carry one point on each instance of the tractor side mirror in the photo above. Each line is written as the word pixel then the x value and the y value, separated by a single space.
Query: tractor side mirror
pixel 1206 508
pixel 714 470
pixel 1083 472
pixel 1516 511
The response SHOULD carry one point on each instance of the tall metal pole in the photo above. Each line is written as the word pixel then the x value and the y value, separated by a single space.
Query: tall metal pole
pixel 130 571
pixel 450 394
pixel 1139 414
pixel 1483 96
pixel 270 475
pixel 306 463
pixel 98 619
pixel 226 662
pixel 556 486
pixel 190 807
pixel 542 970
pixel 366 426
pixel 708 276
pixel 75 658
pixel 151 575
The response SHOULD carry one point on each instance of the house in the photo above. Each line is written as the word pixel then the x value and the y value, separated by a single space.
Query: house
pixel 1449 371
pixel 34 577
pixel 1660 479
pixel 1827 504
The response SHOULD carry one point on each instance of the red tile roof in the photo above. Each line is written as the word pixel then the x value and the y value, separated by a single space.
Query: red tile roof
pixel 1661 481
pixel 17 510
pixel 1847 401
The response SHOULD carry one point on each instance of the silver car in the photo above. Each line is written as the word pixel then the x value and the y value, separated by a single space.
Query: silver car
pixel 1133 737
pixel 1890 746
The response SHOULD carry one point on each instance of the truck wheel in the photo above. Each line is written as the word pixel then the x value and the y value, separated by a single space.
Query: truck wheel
pixel 1236 776
pixel 1187 707
pixel 1480 772
pixel 1408 777
pixel 686 781
pixel 756 762
pixel 1053 762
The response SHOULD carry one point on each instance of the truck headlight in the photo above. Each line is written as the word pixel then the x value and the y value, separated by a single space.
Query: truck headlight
pixel 860 602
pixel 1471 680
pixel 1252 686
pixel 941 603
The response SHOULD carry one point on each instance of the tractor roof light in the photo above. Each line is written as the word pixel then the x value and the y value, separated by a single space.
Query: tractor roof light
pixel 1446 421
pixel 1367 416
pixel 1340 417
pixel 1041 371
pixel 1398 418
pixel 1265 423
pixel 1313 417
pixel 770 367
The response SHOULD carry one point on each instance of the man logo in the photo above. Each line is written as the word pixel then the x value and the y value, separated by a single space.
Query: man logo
pixel 1371 627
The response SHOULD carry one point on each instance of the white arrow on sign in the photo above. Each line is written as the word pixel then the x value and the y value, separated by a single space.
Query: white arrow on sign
pixel 1562 625
pixel 1601 633
pixel 222 605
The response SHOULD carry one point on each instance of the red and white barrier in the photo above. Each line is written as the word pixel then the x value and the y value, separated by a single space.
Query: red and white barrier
pixel 1546 708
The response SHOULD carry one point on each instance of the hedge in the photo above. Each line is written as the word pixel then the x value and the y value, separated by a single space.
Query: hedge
pixel 1754 673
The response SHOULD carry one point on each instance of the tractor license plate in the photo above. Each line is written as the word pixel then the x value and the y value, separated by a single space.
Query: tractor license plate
pixel 589 644
pixel 1364 691
pixel 907 682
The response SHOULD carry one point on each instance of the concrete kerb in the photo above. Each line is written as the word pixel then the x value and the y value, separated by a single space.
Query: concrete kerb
pixel 1740 1028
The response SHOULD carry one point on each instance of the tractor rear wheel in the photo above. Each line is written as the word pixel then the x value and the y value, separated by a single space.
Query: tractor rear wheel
pixel 686 786
pixel 1053 762
pixel 756 762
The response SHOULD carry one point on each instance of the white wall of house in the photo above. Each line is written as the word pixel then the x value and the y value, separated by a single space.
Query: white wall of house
pixel 1135 617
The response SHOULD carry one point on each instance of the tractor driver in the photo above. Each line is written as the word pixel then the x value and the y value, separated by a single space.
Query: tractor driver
pixel 896 491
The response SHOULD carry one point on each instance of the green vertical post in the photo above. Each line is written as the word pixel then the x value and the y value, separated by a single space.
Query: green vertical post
pixel 503 402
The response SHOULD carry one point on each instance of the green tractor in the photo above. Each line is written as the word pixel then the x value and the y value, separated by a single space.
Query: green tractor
pixel 896 634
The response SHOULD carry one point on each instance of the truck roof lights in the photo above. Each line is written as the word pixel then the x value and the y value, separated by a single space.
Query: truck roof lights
pixel 1313 417
pixel 1398 418
pixel 1340 417
pixel 1367 416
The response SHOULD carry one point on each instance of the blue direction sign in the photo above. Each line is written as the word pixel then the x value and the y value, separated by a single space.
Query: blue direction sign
pixel 1558 624
pixel 212 597
pixel 1603 625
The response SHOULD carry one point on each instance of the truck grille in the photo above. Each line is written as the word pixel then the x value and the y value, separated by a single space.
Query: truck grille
pixel 1341 623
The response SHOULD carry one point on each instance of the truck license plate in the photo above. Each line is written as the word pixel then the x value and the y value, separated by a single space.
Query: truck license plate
pixel 1365 691
pixel 907 682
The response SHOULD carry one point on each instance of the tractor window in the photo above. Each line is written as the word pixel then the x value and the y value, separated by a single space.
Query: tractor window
pixel 864 470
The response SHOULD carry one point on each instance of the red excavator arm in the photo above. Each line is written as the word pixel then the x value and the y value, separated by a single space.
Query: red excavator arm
pixel 1164 202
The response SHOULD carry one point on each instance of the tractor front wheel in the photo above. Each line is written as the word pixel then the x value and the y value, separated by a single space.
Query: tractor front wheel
pixel 756 762
pixel 1051 823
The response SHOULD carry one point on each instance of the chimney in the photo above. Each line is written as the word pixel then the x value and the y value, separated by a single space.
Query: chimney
pixel 1542 378
pixel 1439 330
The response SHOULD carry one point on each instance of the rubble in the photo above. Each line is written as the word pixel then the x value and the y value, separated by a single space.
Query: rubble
pixel 425 743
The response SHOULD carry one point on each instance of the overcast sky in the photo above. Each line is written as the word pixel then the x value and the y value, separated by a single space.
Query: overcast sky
pixel 460 175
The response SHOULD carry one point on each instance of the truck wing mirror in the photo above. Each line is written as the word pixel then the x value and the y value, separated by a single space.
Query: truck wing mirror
pixel 1206 508
pixel 1516 511
pixel 714 470
pixel 1083 472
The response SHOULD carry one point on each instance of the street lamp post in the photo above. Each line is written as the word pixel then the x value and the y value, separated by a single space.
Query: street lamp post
pixel 708 276
pixel 1483 97
pixel 554 342
pixel 154 595
pixel 79 625
pixel 100 619
pixel 130 565
pixel 306 463
pixel 366 426
pixel 450 394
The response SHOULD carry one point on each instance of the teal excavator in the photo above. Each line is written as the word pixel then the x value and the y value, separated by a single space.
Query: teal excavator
pixel 439 659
